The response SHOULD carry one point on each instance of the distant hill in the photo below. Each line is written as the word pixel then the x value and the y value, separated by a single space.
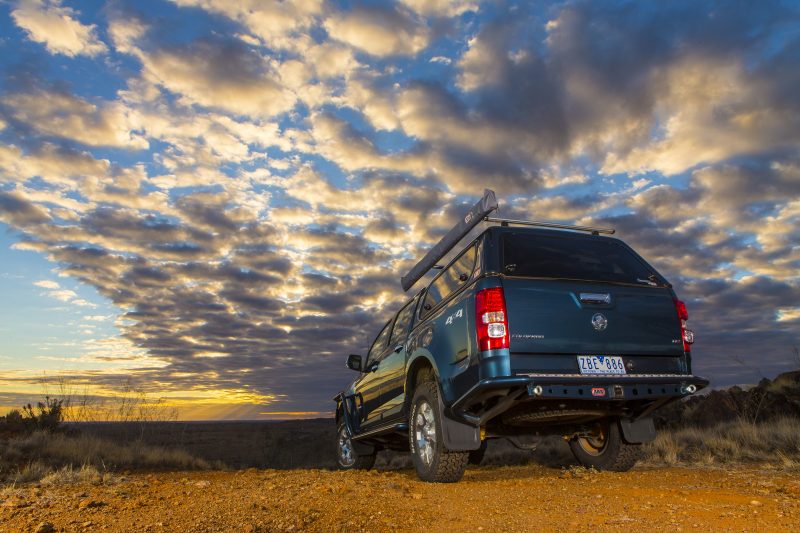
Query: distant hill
pixel 311 443
pixel 766 401
pixel 239 444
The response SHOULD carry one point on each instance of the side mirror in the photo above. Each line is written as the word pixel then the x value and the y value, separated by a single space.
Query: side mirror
pixel 354 362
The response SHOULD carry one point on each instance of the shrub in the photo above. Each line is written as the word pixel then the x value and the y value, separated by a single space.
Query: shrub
pixel 775 442
pixel 46 416
pixel 61 457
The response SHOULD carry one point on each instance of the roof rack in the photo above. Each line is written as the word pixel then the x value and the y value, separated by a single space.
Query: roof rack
pixel 554 225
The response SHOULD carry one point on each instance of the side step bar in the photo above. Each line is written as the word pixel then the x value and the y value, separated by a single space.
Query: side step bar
pixel 383 430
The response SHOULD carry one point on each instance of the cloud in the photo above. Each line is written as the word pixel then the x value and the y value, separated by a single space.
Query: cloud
pixel 126 31
pixel 277 24
pixel 714 111
pixel 18 212
pixel 54 290
pixel 746 217
pixel 379 31
pixel 441 8
pixel 60 114
pixel 222 74
pixel 275 170
pixel 614 85
pixel 57 27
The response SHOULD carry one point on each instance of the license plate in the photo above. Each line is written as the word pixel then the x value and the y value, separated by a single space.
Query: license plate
pixel 601 364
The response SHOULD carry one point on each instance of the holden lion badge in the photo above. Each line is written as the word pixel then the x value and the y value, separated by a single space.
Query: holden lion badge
pixel 599 321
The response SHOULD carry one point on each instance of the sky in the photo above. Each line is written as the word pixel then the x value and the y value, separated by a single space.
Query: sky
pixel 212 202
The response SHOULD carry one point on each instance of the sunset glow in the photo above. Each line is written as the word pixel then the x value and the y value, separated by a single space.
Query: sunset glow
pixel 212 202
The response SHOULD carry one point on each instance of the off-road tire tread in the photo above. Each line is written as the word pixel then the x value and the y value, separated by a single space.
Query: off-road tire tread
pixel 451 467
pixel 618 456
pixel 448 466
pixel 627 456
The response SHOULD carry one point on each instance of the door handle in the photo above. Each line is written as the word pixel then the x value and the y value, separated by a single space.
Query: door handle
pixel 398 348
pixel 594 298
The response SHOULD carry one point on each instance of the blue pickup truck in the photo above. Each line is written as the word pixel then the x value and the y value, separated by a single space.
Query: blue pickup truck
pixel 528 331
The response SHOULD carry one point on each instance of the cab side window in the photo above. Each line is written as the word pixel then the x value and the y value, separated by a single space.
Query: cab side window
pixel 380 344
pixel 451 279
pixel 403 321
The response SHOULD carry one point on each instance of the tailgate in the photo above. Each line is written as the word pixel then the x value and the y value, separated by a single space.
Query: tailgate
pixel 556 317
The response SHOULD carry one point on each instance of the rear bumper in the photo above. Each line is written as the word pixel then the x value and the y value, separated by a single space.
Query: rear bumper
pixel 649 391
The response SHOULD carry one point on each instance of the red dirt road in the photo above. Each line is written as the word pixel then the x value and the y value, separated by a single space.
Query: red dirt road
pixel 520 498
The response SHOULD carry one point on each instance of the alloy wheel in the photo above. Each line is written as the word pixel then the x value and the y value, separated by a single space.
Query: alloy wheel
pixel 346 456
pixel 425 432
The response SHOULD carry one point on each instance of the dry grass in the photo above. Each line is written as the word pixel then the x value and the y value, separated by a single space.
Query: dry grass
pixel 70 475
pixel 55 456
pixel 776 443
pixel 33 471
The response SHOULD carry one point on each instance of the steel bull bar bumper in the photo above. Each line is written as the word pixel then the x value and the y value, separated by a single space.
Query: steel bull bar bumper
pixel 464 418
pixel 655 389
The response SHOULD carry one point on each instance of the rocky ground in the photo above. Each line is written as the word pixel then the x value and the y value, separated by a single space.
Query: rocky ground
pixel 487 499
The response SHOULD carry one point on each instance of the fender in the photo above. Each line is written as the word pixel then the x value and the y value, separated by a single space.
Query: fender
pixel 457 436
pixel 443 375
pixel 413 361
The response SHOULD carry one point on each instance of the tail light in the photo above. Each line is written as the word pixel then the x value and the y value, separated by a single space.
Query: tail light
pixel 491 319
pixel 687 335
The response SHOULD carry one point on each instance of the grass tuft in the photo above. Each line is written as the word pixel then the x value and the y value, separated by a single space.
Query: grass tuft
pixel 69 475
pixel 775 442
pixel 56 457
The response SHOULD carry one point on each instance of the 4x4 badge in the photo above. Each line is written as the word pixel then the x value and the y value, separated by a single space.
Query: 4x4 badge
pixel 599 321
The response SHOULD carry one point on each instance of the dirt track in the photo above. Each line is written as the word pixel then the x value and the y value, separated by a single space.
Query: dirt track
pixel 488 499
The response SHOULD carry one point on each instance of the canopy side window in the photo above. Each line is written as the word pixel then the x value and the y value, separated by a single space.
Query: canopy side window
pixel 450 279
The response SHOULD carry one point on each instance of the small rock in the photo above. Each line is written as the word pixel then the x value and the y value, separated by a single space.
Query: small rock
pixel 756 503
pixel 249 528
pixel 416 496
pixel 45 527
pixel 89 503
pixel 202 484
pixel 88 523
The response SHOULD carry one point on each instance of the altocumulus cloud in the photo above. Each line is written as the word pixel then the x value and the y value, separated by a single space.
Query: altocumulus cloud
pixel 246 191
pixel 57 27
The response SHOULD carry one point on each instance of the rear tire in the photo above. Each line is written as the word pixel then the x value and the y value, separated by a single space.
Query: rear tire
pixel 605 451
pixel 346 456
pixel 432 460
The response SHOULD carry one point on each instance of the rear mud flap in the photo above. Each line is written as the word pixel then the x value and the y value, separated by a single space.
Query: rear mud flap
pixel 639 431
pixel 458 436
